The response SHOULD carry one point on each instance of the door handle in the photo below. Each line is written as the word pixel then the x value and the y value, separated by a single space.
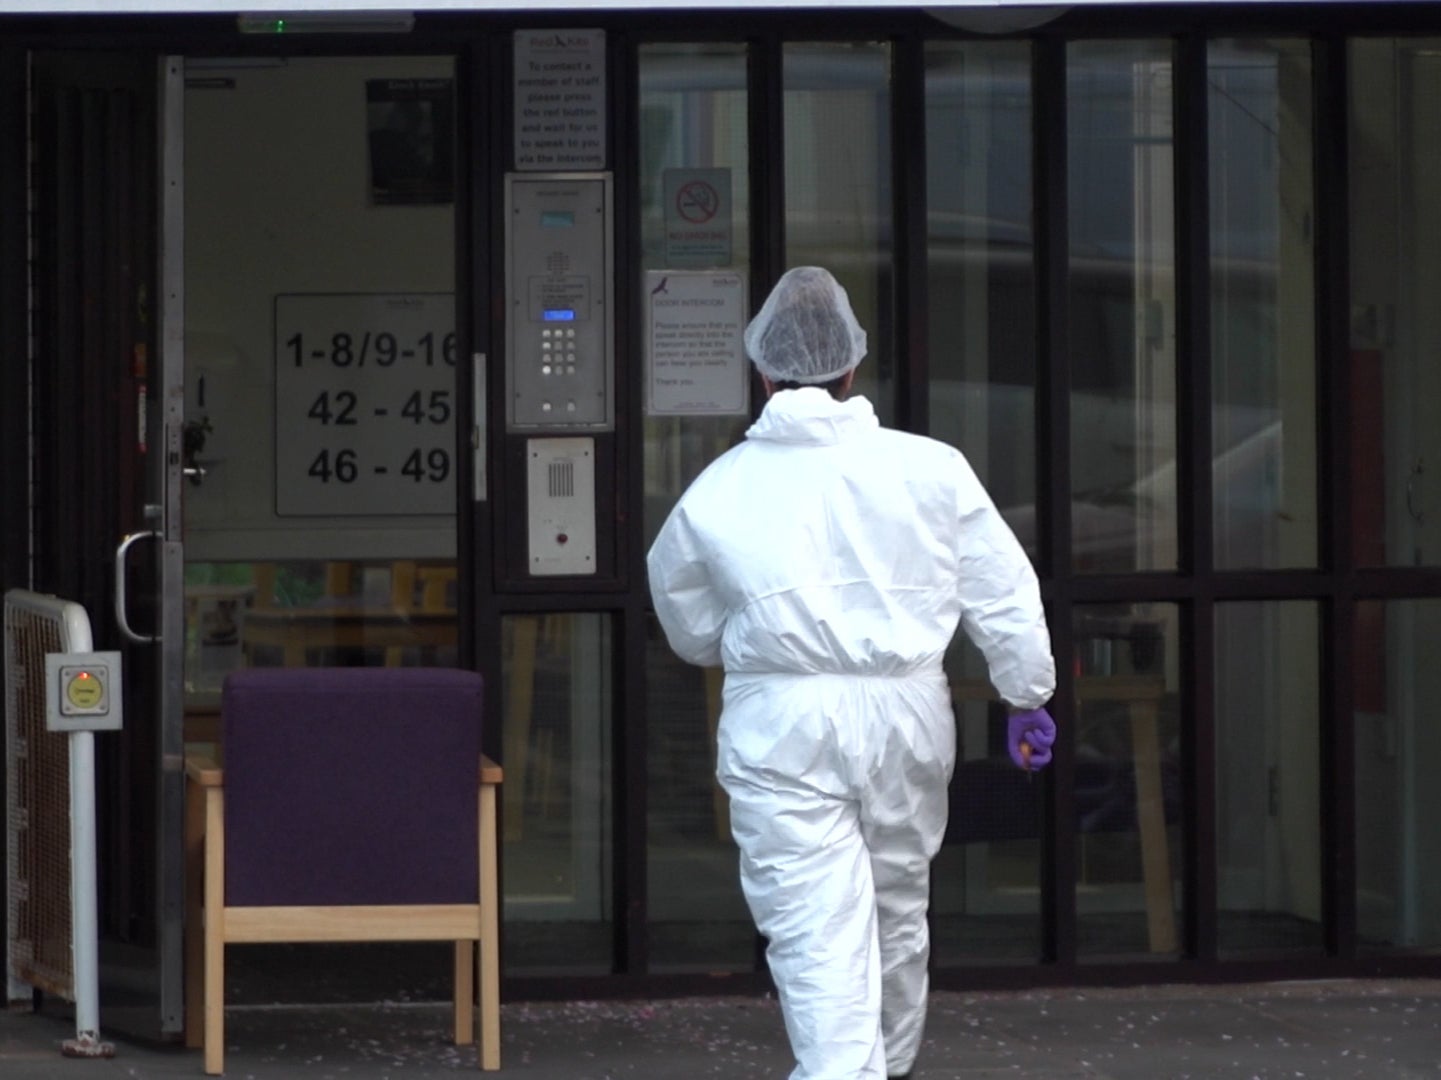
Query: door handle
pixel 121 554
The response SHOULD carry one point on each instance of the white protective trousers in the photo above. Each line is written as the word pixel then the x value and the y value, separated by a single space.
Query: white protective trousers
pixel 826 563
pixel 838 805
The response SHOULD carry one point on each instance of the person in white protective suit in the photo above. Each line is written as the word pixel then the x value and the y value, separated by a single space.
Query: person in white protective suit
pixel 826 562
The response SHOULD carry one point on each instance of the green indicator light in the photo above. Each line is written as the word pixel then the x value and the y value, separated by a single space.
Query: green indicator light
pixel 280 26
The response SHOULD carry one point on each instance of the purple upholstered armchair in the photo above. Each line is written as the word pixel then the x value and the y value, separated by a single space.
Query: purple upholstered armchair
pixel 353 805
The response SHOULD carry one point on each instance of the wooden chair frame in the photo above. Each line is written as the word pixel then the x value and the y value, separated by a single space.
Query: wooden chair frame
pixel 211 924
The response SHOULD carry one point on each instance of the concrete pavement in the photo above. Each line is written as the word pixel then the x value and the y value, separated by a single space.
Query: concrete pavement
pixel 1363 1028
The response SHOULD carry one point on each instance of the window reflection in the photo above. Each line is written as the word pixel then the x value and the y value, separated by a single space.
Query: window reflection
pixel 985 881
pixel 981 266
pixel 1122 306
pixel 838 188
pixel 1128 780
pixel 693 115
pixel 556 800
pixel 1395 268
pixel 985 904
pixel 1268 776
pixel 698 917
pixel 1263 304
pixel 1397 756
pixel 298 613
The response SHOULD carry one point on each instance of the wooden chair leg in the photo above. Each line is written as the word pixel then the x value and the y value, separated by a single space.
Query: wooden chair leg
pixel 464 991
pixel 194 915
pixel 214 934
pixel 489 934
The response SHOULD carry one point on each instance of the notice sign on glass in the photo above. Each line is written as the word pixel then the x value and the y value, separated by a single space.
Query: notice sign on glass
pixel 364 404
pixel 695 355
pixel 697 217
pixel 560 99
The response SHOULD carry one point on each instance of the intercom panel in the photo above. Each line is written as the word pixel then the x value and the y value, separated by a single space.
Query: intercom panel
pixel 560 488
pixel 559 291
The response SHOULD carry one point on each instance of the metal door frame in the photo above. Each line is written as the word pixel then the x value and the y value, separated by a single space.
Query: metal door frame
pixel 167 476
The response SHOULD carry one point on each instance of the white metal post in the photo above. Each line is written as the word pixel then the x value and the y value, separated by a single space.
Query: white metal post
pixel 85 929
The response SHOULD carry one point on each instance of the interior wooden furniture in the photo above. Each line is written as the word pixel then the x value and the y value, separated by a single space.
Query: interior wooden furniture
pixel 1141 694
pixel 417 613
pixel 354 806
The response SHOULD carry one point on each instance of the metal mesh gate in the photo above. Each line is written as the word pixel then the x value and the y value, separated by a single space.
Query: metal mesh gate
pixel 37 784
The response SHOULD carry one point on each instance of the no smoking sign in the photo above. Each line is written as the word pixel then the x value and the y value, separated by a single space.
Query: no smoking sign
pixel 697 202
pixel 697 217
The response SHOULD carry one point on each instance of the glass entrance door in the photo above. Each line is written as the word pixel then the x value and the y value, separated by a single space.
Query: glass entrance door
pixel 320 396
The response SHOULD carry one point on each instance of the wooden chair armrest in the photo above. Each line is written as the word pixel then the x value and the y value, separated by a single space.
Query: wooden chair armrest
pixel 202 769
pixel 490 772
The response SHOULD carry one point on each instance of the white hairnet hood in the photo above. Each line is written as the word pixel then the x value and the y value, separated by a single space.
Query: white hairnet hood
pixel 806 331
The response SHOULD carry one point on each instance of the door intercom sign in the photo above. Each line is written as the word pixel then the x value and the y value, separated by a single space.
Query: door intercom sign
pixel 560 99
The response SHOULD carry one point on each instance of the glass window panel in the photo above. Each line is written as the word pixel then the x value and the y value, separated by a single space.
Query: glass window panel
pixel 368 578
pixel 838 188
pixel 557 850
pixel 1268 777
pixel 980 260
pixel 985 881
pixel 698 916
pixel 1122 310
pixel 1397 758
pixel 692 116
pixel 1128 781
pixel 1263 304
pixel 1395 267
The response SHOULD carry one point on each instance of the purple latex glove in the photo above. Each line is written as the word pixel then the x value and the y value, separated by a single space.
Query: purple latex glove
pixel 1035 730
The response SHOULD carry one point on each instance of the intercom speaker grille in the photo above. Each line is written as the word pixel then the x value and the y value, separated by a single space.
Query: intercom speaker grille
pixel 562 479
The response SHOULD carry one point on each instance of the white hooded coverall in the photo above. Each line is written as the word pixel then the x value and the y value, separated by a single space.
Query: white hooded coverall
pixel 825 563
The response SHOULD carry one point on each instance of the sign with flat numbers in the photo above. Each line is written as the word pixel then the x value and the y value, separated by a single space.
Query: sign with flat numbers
pixel 364 404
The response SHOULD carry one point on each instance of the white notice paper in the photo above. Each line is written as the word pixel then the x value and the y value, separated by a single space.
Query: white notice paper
pixel 695 356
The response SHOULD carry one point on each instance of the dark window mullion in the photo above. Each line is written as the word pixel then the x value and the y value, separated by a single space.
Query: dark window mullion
pixel 630 859
pixel 1194 509
pixel 767 138
pixel 1338 816
pixel 1053 434
pixel 910 215
pixel 767 153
